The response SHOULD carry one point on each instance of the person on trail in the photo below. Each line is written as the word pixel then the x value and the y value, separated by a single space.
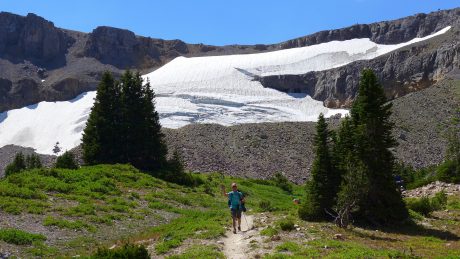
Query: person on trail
pixel 236 204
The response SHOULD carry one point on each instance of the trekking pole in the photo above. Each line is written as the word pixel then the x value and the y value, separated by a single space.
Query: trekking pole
pixel 247 224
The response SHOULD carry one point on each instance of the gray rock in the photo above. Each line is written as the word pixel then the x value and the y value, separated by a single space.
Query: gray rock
pixel 385 32
pixel 32 38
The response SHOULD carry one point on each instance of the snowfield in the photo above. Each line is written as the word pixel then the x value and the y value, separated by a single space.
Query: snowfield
pixel 217 89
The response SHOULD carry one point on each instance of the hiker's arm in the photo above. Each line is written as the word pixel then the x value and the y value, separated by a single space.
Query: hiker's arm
pixel 222 187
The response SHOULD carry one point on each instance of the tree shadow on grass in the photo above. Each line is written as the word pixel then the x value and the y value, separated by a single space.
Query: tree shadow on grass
pixel 413 229
pixel 373 236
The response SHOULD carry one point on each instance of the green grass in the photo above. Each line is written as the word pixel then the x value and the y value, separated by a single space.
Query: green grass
pixel 203 215
pixel 269 231
pixel 81 210
pixel 62 223
pixel 288 247
pixel 19 237
pixel 200 252
pixel 453 203
pixel 90 199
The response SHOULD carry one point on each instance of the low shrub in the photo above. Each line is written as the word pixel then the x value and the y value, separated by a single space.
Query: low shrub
pixel 265 206
pixel 427 205
pixel 19 237
pixel 448 172
pixel 282 182
pixel 309 210
pixel 439 201
pixel 415 215
pixel 126 251
pixel 269 231
pixel 62 223
pixel 286 224
pixel 420 205
pixel 67 161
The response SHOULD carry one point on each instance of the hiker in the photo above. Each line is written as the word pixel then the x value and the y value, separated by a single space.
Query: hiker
pixel 236 204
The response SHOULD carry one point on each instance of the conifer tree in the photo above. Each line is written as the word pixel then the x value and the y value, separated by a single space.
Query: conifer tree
pixel 124 126
pixel 154 148
pixel 66 160
pixel 321 191
pixel 17 165
pixel 101 135
pixel 142 140
pixel 453 139
pixel 33 161
pixel 380 202
pixel 56 148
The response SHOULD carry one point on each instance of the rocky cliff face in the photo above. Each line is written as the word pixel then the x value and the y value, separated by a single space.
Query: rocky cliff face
pixel 385 32
pixel 403 71
pixel 121 48
pixel 31 38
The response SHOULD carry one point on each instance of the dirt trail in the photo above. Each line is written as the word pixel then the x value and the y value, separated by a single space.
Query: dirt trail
pixel 236 246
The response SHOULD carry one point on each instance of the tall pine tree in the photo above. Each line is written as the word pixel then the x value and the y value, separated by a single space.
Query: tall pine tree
pixel 142 140
pixel 380 201
pixel 100 141
pixel 321 188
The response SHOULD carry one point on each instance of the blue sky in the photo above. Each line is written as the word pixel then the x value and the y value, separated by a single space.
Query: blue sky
pixel 221 22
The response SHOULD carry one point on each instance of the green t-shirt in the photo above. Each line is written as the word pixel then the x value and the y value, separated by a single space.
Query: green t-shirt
pixel 234 199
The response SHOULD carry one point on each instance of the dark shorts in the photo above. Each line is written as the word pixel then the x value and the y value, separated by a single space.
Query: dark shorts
pixel 236 213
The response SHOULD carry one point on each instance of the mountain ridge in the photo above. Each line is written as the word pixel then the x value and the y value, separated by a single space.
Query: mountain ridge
pixel 56 64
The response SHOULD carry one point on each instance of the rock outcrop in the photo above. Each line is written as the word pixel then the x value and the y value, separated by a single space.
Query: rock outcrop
pixel 120 48
pixel 385 32
pixel 433 188
pixel 403 71
pixel 32 38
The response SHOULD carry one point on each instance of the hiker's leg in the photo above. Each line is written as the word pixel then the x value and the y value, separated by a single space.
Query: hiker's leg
pixel 234 220
pixel 238 216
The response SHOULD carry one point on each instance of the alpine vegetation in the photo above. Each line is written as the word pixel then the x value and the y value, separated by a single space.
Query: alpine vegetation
pixel 21 163
pixel 123 126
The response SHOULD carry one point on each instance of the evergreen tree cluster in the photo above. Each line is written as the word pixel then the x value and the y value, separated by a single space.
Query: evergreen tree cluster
pixel 123 126
pixel 353 168
pixel 22 162
pixel 67 161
